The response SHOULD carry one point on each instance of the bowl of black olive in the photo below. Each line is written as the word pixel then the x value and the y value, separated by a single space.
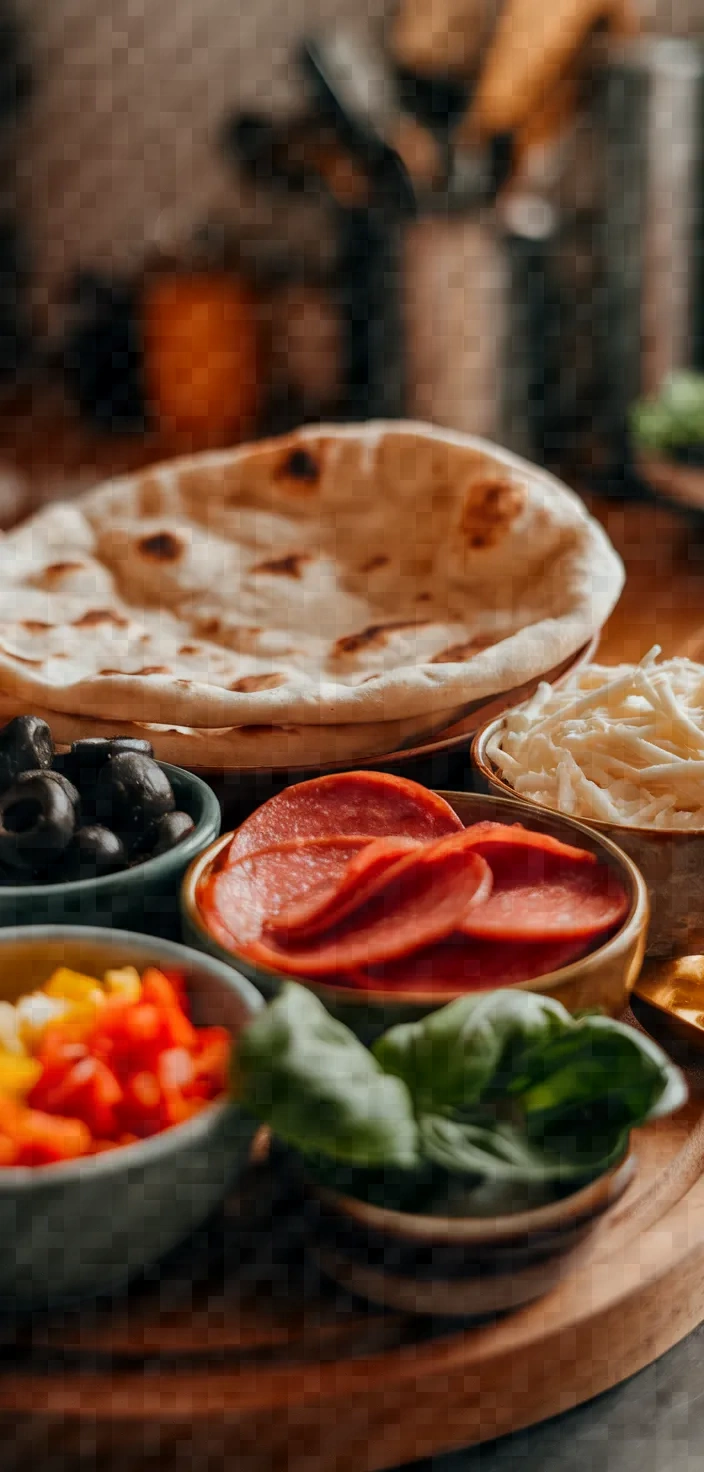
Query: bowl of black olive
pixel 100 834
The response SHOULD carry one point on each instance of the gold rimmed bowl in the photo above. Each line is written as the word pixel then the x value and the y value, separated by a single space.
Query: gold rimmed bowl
pixel 671 860
pixel 603 978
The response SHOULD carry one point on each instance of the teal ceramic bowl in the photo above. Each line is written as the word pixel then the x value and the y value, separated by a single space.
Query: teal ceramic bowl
pixel 75 1231
pixel 143 898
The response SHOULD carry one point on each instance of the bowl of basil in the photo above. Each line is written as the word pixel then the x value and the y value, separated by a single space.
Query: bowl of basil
pixel 455 1166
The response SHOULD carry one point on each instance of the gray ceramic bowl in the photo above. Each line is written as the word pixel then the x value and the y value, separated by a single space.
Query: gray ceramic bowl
pixel 74 1231
pixel 143 898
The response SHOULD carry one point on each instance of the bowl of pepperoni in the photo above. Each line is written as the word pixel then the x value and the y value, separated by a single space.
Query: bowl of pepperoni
pixel 119 1133
pixel 390 900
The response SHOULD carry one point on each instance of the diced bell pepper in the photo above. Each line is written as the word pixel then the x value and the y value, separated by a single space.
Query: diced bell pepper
pixel 18 1074
pixel 124 983
pixel 10 1040
pixel 74 987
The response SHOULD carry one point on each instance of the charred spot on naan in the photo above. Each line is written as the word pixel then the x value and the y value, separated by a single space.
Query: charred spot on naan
pixel 210 627
pixel 375 636
pixel 161 547
pixel 35 625
pixel 250 684
pixel 374 564
pixel 290 566
pixel 492 504
pixel 299 465
pixel 56 572
pixel 96 616
pixel 459 653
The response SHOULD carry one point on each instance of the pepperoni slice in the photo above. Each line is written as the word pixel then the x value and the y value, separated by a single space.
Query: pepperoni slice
pixel 237 899
pixel 347 803
pixel 423 899
pixel 543 890
pixel 334 898
pixel 463 965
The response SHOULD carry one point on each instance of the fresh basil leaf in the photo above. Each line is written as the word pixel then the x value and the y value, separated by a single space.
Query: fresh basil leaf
pixel 502 1151
pixel 320 1090
pixel 455 1055
pixel 612 1072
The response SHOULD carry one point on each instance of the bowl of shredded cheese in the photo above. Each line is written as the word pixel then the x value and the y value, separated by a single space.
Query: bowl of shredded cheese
pixel 622 749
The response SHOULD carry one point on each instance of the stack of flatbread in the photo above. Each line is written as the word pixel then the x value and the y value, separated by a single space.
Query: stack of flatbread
pixel 327 596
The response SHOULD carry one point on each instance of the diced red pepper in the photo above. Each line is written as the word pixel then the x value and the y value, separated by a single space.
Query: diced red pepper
pixel 137 1068
pixel 140 1111
pixel 9 1150
pixel 178 1031
pixel 175 1069
pixel 89 1091
pixel 39 1138
pixel 178 981
pixel 211 1063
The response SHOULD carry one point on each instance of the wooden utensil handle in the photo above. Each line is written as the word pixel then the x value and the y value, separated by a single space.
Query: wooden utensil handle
pixel 533 47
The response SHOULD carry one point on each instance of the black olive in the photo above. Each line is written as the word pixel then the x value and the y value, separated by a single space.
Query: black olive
pixel 69 788
pixel 37 820
pixel 94 851
pixel 132 794
pixel 26 745
pixel 130 743
pixel 170 830
pixel 91 752
pixel 87 757
pixel 83 762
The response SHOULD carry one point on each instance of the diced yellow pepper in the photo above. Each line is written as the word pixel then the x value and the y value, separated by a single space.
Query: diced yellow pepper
pixel 18 1075
pixel 125 983
pixel 10 1041
pixel 74 987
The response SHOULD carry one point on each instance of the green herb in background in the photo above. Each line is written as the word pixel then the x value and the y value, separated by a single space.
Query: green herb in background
pixel 503 1089
pixel 674 421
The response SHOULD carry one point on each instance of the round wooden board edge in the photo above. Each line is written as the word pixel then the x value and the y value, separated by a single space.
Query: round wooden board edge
pixel 385 1409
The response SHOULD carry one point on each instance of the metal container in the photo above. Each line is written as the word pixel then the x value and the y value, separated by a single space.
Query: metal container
pixel 480 310
pixel 647 108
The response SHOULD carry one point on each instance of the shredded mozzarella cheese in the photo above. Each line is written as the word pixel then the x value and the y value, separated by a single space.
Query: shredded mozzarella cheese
pixel 623 744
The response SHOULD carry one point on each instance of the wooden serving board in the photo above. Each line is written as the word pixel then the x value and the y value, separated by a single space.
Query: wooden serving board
pixel 238 1354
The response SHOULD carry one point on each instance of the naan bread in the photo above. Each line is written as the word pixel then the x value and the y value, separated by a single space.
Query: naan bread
pixel 377 577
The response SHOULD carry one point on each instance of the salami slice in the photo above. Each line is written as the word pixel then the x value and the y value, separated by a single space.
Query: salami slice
pixel 423 900
pixel 462 965
pixel 335 897
pixel 370 803
pixel 543 890
pixel 238 898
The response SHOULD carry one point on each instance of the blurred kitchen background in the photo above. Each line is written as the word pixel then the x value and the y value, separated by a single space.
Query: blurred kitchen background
pixel 219 221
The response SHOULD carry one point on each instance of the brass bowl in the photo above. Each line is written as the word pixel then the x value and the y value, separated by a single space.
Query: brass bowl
pixel 603 978
pixel 671 860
